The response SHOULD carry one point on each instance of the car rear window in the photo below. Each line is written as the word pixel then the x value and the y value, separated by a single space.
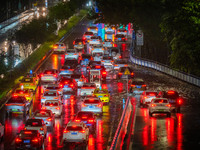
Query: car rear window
pixel 50 94
pixel 151 93
pixel 35 123
pixel 51 103
pixel 53 88
pixel 171 94
pixel 160 101
pixel 59 44
pixel 124 68
pixel 71 51
pixel 28 133
pixel 138 83
pixel 88 33
pixel 27 80
pixel 74 128
pixel 89 85
pixel 101 91
pixel 68 62
pixel 20 100
pixel 42 114
pixel 120 36
pixel 91 101
pixel 78 40
pixel 21 91
pixel 86 56
pixel 84 115
pixel 107 58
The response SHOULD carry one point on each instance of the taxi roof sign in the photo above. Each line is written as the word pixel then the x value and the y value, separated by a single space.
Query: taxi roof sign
pixel 127 72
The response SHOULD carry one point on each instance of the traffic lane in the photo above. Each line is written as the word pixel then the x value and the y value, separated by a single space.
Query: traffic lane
pixel 182 127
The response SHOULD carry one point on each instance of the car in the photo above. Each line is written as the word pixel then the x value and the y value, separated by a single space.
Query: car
pixel 120 38
pixel 97 52
pixel 47 116
pixel 87 36
pixel 36 124
pixel 87 89
pixel 17 104
pixel 174 98
pixel 66 71
pixel 54 105
pixel 109 35
pixel 71 64
pixel 123 71
pixel 69 95
pixel 24 92
pixel 146 97
pixel 1 132
pixel 107 61
pixel 103 94
pixel 59 48
pixel 102 71
pixel 76 132
pixel 88 118
pixel 49 75
pixel 108 43
pixel 54 87
pixel 120 63
pixel 92 105
pixel 122 31
pixel 79 44
pixel 89 97
pixel 50 95
pixel 79 78
pixel 110 29
pixel 95 40
pixel 72 54
pixel 28 82
pixel 93 29
pixel 33 75
pixel 68 84
pixel 159 105
pixel 29 139
pixel 137 86
pixel 115 52
pixel 93 63
pixel 85 59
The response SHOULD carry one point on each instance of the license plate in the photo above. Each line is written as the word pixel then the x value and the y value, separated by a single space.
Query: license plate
pixel 91 106
pixel 26 141
pixel 66 86
pixel 138 86
pixel 73 133
pixel 100 96
pixel 119 38
pixel 14 110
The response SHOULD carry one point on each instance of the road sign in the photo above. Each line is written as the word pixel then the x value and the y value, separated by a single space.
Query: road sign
pixel 127 72
pixel 139 38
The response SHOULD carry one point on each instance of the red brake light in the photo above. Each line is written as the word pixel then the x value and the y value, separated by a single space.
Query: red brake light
pixel 83 105
pixel 41 129
pixel 132 73
pixel 170 92
pixel 120 56
pixel 35 140
pixel 168 105
pixel 120 73
pixel 27 132
pixel 133 85
pixel 41 75
pixel 55 75
pixel 153 105
pixel 104 72
pixel 55 46
pixel 18 140
pixel 77 120
pixel 99 105
pixel 65 131
pixel 180 101
pixel 58 108
pixel 61 85
pixel 144 85
pixel 91 120
pixel 49 119
pixel 15 95
pixel 71 85
pixel 74 43
pixel 83 131
pixel 97 67
pixel 106 95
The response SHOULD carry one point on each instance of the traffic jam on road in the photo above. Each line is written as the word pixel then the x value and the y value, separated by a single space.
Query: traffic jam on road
pixel 76 99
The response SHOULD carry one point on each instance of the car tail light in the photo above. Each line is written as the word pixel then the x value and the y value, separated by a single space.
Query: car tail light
pixel 41 129
pixel 55 98
pixel 103 42
pixel 104 73
pixel 125 31
pixel 180 101
pixel 133 85
pixel 168 105
pixel 66 54
pixel 72 97
pixel 126 65
pixel 144 85
pixel 27 95
pixel 58 108
pixel 15 95
pixel 170 92
pixel 55 75
pixel 71 85
pixel 96 29
pixel 153 105
pixel 80 80
pixel 91 120
pixel 61 85
pixel 99 105
pixel 66 131
pixel 74 43
pixel 55 47
pixel 44 108
pixel 77 120
pixel 18 140
pixel 145 96
pixel 35 140
pixel 120 73
pixel 116 65
pixel 82 131
pixel 132 73
pixel 106 95
pixel 83 105
pixel 49 119
pixel 41 75
pixel 120 56
pixel 27 132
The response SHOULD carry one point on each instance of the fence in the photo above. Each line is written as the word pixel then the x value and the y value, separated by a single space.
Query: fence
pixel 167 70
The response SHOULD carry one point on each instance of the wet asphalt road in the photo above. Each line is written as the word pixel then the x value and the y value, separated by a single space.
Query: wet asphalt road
pixel 181 131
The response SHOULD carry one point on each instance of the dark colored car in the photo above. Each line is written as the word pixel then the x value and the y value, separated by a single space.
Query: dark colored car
pixel 68 84
pixel 120 38
pixel 29 139
pixel 174 98
pixel 123 73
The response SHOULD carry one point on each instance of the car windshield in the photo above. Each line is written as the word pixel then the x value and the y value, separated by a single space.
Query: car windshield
pixel 50 94
pixel 86 56
pixel 160 101
pixel 33 122
pixel 42 114
pixel 78 40
pixel 47 103
pixel 74 128
pixel 108 40
pixel 84 115
pixel 22 91
pixel 27 80
pixel 69 62
pixel 101 91
pixel 120 36
pixel 16 100
pixel 94 38
pixel 151 93
pixel 91 101
pixel 28 133
pixel 107 58
pixel 71 51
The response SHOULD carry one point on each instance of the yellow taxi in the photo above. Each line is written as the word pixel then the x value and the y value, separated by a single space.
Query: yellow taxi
pixel 23 92
pixel 29 82
pixel 103 94
pixel 33 75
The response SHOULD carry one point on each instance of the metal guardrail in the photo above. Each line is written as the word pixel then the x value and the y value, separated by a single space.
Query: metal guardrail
pixel 167 70
pixel 119 134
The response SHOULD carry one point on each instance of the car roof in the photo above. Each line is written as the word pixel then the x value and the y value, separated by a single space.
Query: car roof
pixel 73 123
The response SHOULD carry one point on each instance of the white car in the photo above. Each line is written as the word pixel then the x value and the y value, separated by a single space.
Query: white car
pixel 122 31
pixel 50 75
pixel 92 105
pixel 94 40
pixel 54 105
pixel 76 132
pixel 59 47
pixel 36 124
pixel 1 132
pixel 108 43
pixel 50 95
pixel 146 97
pixel 160 105
pixel 54 87
pixel 72 54
pixel 93 29
pixel 87 89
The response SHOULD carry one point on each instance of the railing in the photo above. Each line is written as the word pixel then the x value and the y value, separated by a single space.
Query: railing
pixel 167 70
pixel 118 139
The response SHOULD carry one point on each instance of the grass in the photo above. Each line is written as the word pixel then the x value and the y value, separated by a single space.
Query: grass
pixel 13 77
